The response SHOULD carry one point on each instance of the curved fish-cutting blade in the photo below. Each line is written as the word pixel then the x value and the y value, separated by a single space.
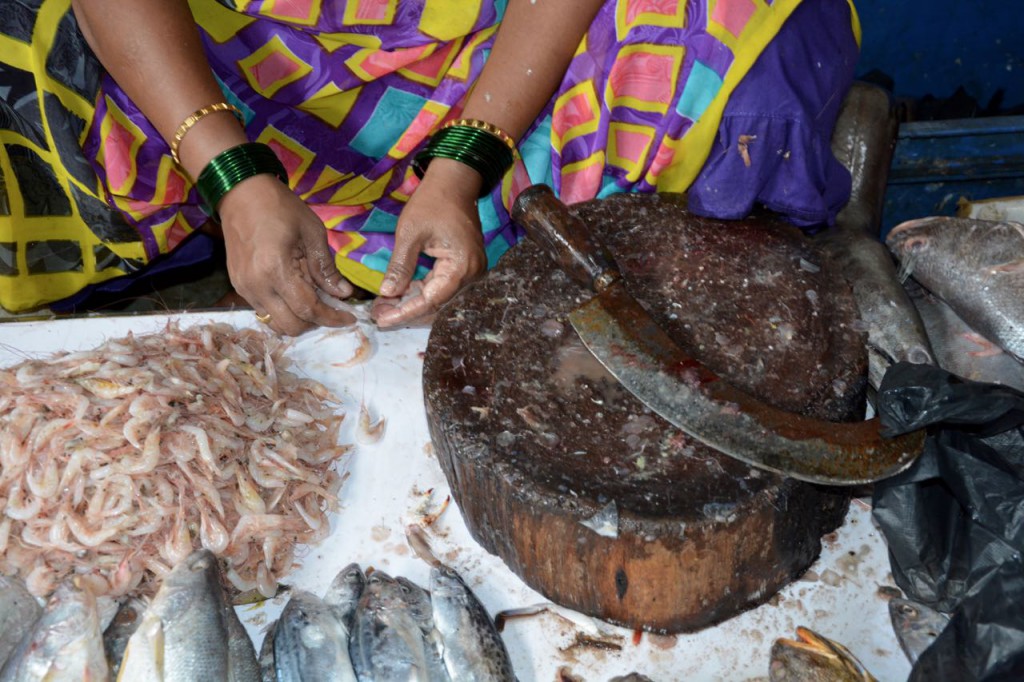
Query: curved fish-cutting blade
pixel 627 341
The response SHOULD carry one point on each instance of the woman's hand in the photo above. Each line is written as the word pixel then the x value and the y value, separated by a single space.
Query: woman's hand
pixel 440 220
pixel 278 256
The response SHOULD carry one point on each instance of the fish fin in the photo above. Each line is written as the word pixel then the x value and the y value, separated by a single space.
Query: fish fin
pixel 1014 267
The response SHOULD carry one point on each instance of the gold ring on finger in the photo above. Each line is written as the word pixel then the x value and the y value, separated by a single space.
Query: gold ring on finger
pixel 264 318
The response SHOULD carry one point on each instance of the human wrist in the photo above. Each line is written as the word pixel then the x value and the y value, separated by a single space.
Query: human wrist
pixel 454 178
pixel 233 166
pixel 475 143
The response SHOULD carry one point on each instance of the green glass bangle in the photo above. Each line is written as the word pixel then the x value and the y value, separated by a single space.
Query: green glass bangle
pixel 484 152
pixel 231 166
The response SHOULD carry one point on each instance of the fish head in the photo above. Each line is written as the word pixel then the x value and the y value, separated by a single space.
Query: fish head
pixel 916 625
pixel 813 657
pixel 349 582
pixel 955 247
pixel 415 598
pixel 192 581
pixel 445 582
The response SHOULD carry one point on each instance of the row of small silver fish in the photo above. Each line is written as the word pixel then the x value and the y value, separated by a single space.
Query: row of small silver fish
pixel 380 628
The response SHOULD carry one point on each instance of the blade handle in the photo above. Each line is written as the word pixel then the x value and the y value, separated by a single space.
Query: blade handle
pixel 565 237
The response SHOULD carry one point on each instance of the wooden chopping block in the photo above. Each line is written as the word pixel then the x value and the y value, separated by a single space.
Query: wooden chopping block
pixel 589 497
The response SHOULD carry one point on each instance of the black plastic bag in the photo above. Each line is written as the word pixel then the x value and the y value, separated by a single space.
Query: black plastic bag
pixel 954 521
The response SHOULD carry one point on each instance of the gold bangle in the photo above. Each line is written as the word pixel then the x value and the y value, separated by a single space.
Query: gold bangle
pixel 194 118
pixel 487 127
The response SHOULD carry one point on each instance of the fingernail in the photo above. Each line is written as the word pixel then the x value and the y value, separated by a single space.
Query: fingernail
pixel 387 287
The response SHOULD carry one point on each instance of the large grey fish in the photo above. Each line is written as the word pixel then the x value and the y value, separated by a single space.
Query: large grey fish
pixel 976 266
pixel 19 611
pixel 916 626
pixel 960 349
pixel 186 633
pixel 393 638
pixel 65 644
pixel 473 648
pixel 344 592
pixel 863 141
pixel 310 643
pixel 119 631
pixel 813 657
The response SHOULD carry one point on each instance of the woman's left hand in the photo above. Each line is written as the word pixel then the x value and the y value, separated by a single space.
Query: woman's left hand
pixel 440 220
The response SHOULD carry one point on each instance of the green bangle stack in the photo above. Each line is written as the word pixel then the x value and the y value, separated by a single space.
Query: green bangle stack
pixel 482 150
pixel 231 166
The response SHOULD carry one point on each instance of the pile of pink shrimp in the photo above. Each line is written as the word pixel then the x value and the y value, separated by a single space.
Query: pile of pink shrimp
pixel 117 462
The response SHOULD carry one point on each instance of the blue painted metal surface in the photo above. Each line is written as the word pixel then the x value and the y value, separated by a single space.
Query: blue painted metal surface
pixel 936 163
pixel 931 47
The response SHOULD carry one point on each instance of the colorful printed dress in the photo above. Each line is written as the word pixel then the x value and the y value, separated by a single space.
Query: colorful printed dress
pixel 656 98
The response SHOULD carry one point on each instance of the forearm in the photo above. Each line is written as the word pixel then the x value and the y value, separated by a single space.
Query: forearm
pixel 534 46
pixel 153 50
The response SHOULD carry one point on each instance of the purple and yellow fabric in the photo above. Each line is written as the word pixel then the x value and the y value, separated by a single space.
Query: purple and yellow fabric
pixel 346 92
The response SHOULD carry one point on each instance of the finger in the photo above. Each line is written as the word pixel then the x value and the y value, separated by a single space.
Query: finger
pixel 304 303
pixel 411 309
pixel 275 313
pixel 401 266
pixel 321 266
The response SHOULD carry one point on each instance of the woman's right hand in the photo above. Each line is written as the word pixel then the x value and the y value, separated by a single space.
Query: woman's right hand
pixel 278 256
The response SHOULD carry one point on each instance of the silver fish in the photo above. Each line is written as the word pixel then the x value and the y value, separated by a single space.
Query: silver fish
pixel 119 631
pixel 976 266
pixel 473 649
pixel 310 643
pixel 343 594
pixel 19 611
pixel 393 636
pixel 65 644
pixel 916 626
pixel 960 349
pixel 817 658
pixel 186 633
pixel 863 142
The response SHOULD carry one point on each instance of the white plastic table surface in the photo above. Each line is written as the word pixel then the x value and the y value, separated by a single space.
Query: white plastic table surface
pixel 397 481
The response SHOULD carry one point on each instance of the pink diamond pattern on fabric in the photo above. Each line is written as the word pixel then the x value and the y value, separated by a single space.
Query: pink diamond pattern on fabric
pixel 290 159
pixel 371 10
pixel 273 68
pixel 296 9
pixel 631 145
pixel 733 14
pixel 417 131
pixel 381 62
pixel 643 76
pixel 662 159
pixel 117 156
pixel 635 8
pixel 581 185
pixel 575 111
